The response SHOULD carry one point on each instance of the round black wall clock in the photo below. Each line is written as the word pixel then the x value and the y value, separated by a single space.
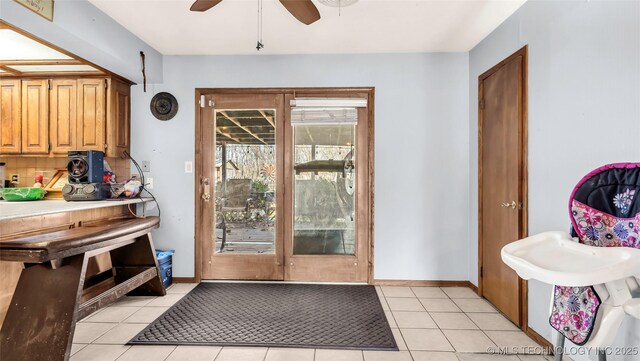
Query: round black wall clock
pixel 164 106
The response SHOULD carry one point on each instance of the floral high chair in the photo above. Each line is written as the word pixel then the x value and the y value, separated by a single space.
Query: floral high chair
pixel 597 272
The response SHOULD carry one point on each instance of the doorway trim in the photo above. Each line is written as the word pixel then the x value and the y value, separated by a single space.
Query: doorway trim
pixel 524 229
pixel 199 166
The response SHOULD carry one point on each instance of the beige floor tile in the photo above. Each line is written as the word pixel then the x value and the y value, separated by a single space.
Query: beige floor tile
pixel 134 301
pixel 100 353
pixel 181 288
pixel 460 292
pixel 515 342
pixel 425 340
pixel 409 319
pixel 77 347
pixel 535 358
pixel 146 353
pixel 390 319
pixel 433 356
pixel 439 305
pixel 474 305
pixel 146 315
pixel 404 304
pixel 87 332
pixel 485 357
pixel 429 292
pixel 194 353
pixel 453 321
pixel 397 335
pixel 393 291
pixel 387 356
pixel 470 341
pixel 492 322
pixel 385 305
pixel 112 314
pixel 338 355
pixel 242 354
pixel 121 334
pixel 290 354
pixel 166 301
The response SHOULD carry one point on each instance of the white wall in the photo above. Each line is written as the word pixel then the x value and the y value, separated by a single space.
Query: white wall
pixel 584 111
pixel 421 149
pixel 82 29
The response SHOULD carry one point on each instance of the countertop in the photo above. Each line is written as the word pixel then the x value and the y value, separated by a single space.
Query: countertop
pixel 12 210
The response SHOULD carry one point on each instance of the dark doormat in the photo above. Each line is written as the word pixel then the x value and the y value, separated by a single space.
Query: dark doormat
pixel 276 315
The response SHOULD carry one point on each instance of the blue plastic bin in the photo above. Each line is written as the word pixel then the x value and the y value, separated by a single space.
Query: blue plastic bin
pixel 165 262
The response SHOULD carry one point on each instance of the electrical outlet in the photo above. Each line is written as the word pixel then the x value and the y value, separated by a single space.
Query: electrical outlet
pixel 146 166
pixel 188 167
pixel 149 182
pixel 15 179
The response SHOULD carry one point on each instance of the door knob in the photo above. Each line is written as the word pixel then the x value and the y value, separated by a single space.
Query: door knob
pixel 205 194
pixel 512 205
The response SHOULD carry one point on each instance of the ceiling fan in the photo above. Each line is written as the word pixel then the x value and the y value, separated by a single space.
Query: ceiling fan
pixel 303 10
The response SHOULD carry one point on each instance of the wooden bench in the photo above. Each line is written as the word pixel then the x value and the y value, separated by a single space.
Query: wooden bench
pixel 48 300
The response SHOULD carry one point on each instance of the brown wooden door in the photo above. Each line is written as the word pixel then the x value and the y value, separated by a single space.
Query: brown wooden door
pixel 35 116
pixel 502 179
pixel 62 119
pixel 278 201
pixel 118 116
pixel 10 119
pixel 326 228
pixel 241 188
pixel 91 114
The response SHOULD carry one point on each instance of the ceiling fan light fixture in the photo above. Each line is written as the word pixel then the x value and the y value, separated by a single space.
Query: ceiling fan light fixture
pixel 337 3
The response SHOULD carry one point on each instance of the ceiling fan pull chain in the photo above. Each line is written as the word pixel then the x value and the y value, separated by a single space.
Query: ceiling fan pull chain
pixel 260 45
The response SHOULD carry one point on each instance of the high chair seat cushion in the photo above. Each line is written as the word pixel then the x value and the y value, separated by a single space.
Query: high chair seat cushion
pixel 574 312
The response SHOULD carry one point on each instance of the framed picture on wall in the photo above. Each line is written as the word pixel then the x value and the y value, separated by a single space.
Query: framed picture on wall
pixel 59 180
pixel 43 8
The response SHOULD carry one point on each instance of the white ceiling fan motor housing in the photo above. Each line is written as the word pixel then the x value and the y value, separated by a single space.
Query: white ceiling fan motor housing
pixel 337 3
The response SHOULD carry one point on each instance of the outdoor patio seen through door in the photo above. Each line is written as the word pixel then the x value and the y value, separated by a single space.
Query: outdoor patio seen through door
pixel 284 182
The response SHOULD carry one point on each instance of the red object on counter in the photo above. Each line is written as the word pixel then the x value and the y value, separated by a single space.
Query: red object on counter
pixel 38 181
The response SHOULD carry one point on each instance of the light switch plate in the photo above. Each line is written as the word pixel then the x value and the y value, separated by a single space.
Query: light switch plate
pixel 146 166
pixel 188 166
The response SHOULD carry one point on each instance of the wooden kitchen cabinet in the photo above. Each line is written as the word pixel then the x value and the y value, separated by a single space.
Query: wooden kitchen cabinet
pixel 35 117
pixel 91 114
pixel 118 115
pixel 10 116
pixel 63 115
pixel 54 116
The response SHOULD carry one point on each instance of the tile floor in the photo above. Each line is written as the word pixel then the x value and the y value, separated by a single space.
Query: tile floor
pixel 429 323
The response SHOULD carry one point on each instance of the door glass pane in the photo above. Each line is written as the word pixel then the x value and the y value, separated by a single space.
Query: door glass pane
pixel 245 181
pixel 324 189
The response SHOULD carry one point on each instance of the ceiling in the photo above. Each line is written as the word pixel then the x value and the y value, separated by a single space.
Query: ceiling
pixel 369 26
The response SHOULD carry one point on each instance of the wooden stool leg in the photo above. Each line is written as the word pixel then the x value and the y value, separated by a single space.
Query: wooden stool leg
pixel 131 259
pixel 41 319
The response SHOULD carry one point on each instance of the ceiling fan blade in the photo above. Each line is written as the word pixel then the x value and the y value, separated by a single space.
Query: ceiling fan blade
pixel 204 5
pixel 303 10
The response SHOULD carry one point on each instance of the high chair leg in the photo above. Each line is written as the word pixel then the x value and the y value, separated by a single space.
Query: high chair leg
pixel 559 347
pixel 602 356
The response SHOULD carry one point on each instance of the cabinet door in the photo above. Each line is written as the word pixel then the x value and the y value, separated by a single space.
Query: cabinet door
pixel 91 114
pixel 118 116
pixel 62 119
pixel 10 120
pixel 35 117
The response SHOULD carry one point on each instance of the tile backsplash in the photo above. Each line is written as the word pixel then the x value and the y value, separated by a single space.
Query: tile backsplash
pixel 28 167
